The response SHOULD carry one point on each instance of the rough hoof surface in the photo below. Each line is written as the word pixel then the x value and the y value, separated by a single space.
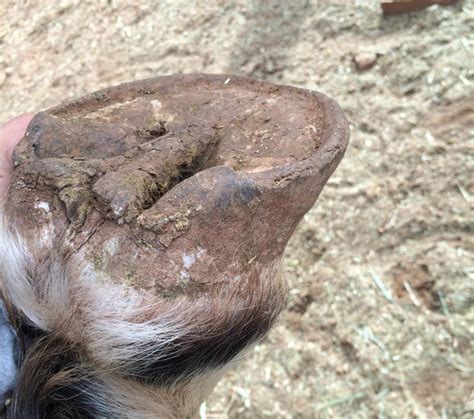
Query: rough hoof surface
pixel 173 183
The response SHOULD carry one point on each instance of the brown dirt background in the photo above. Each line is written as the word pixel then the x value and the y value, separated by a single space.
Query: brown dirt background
pixel 398 210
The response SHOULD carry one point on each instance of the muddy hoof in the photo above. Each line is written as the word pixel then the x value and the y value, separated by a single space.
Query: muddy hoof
pixel 155 214
pixel 176 181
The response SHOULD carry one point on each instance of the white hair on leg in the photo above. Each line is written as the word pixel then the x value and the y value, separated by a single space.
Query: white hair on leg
pixel 40 291
pixel 123 351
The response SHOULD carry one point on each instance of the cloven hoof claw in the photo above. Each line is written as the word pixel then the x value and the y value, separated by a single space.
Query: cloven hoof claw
pixel 176 181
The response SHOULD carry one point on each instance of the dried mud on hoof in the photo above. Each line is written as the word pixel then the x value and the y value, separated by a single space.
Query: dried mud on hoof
pixel 173 183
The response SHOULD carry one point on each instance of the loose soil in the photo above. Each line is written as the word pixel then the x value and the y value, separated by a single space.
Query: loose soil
pixel 381 270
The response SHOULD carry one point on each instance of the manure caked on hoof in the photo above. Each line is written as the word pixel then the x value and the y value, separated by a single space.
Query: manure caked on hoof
pixel 154 215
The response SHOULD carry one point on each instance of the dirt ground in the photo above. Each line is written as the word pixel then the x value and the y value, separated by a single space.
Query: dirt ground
pixel 381 271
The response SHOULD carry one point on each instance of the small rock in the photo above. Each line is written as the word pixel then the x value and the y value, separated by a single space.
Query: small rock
pixel 365 60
